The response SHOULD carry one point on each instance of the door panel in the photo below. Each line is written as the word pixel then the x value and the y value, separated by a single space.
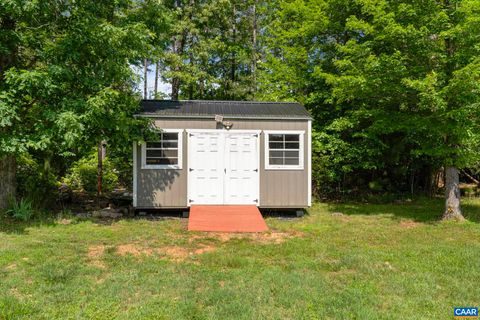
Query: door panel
pixel 242 168
pixel 223 168
pixel 206 168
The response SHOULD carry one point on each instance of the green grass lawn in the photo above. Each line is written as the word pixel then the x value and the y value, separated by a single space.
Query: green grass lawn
pixel 371 262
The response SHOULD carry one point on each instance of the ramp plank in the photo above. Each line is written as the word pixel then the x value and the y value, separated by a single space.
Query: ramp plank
pixel 226 219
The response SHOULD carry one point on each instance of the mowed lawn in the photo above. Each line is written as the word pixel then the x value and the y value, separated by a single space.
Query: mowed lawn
pixel 392 261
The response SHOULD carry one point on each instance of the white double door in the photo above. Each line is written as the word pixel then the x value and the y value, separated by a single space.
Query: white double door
pixel 223 167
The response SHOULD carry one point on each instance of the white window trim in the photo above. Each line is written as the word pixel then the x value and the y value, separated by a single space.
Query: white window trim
pixel 165 166
pixel 300 165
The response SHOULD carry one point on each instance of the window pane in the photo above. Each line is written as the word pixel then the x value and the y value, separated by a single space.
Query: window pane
pixel 276 161
pixel 275 137
pixel 162 161
pixel 284 149
pixel 154 153
pixel 292 145
pixel 292 161
pixel 169 136
pixel 154 145
pixel 168 161
pixel 292 137
pixel 170 153
pixel 291 154
pixel 276 145
pixel 276 154
pixel 170 144
pixel 163 152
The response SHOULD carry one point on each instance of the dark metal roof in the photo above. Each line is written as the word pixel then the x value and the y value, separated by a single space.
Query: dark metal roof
pixel 228 109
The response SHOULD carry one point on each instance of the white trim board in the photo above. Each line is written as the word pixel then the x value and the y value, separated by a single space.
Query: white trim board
pixel 309 163
pixel 134 189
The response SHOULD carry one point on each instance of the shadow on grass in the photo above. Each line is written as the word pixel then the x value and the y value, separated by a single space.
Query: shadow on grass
pixel 283 214
pixel 419 210
pixel 12 226
pixel 9 225
pixel 146 214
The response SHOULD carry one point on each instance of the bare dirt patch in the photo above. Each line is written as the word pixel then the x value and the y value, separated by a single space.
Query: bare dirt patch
pixel 12 266
pixel 133 249
pixel 174 253
pixel 65 221
pixel 409 224
pixel 273 237
pixel 94 254
pixel 198 244
pixel 205 249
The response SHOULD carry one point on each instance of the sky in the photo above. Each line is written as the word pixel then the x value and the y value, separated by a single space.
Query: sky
pixel 163 87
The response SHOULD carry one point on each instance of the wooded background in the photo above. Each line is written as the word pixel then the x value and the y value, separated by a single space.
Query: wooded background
pixel 393 86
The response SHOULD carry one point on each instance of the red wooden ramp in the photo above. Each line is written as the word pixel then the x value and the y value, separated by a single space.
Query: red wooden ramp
pixel 226 219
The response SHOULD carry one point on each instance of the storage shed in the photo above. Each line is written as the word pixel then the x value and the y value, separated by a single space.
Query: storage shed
pixel 224 153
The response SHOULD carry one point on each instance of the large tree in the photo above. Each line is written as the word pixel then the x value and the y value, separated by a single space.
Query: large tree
pixel 393 85
pixel 214 48
pixel 66 77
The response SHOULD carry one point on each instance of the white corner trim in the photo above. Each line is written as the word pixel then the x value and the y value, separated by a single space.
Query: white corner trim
pixel 309 163
pixel 300 165
pixel 135 174
pixel 166 166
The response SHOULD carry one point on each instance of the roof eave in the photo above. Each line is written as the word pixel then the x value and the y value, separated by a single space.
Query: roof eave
pixel 153 115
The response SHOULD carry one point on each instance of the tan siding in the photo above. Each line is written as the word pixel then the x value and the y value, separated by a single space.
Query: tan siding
pixel 278 188
pixel 159 188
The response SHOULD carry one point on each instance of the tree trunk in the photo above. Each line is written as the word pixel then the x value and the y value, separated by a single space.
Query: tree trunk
pixel 101 156
pixel 452 195
pixel 254 49
pixel 233 66
pixel 145 79
pixel 157 65
pixel 8 167
pixel 178 48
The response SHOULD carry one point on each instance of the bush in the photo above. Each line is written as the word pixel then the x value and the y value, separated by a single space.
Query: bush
pixel 35 182
pixel 21 210
pixel 83 175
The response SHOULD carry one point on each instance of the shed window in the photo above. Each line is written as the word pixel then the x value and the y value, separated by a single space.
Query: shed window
pixel 165 153
pixel 284 150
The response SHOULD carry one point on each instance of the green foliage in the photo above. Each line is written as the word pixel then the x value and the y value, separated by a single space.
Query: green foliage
pixel 393 86
pixel 212 53
pixel 20 210
pixel 66 78
pixel 82 175
pixel 36 181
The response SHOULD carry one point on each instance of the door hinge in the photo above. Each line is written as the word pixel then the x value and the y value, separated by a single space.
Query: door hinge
pixel 256 200
pixel 256 170
pixel 190 200
pixel 190 135
pixel 255 135
pixel 225 170
pixel 190 169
